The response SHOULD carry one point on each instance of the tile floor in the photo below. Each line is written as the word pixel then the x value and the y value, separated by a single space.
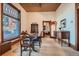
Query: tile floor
pixel 49 47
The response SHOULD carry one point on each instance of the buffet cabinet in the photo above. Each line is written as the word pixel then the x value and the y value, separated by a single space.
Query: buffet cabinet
pixel 62 36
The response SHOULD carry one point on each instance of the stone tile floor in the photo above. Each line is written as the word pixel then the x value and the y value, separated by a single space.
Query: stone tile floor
pixel 49 47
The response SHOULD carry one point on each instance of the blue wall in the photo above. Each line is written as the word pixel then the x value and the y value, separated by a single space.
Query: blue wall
pixel 67 11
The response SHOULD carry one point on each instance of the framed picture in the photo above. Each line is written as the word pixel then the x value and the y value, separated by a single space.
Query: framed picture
pixel 63 23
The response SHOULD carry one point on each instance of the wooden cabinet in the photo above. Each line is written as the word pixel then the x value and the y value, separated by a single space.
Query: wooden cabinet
pixel 62 35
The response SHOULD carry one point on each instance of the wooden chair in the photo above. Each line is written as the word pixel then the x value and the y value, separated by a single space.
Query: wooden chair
pixel 24 44
pixel 37 40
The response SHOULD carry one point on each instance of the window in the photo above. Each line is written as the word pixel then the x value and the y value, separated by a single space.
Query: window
pixel 10 22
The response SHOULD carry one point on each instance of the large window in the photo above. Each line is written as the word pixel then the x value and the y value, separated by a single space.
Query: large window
pixel 10 22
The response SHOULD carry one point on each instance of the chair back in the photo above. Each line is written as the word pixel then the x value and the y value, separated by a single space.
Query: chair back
pixel 25 40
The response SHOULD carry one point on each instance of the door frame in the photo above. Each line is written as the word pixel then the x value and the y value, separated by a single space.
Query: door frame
pixel 76 27
pixel 50 23
pixel 43 26
pixel 53 23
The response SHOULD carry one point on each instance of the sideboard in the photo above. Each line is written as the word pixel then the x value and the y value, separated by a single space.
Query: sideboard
pixel 62 36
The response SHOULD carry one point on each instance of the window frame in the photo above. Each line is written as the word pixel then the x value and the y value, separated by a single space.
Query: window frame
pixel 19 19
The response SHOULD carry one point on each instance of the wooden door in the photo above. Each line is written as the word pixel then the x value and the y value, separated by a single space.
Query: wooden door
pixel 77 42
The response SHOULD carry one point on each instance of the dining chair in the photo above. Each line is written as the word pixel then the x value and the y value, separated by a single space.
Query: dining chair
pixel 24 44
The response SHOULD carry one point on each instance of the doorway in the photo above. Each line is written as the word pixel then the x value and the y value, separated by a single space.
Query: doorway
pixel 52 29
pixel 48 28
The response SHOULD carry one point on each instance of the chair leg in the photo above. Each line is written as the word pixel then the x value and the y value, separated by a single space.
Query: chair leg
pixel 33 48
pixel 30 51
pixel 21 51
pixel 40 44
pixel 68 43
pixel 61 42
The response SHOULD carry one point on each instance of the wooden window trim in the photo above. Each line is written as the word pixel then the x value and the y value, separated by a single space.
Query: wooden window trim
pixel 19 19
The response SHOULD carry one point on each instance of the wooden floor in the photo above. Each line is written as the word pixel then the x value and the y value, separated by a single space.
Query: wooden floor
pixel 49 47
